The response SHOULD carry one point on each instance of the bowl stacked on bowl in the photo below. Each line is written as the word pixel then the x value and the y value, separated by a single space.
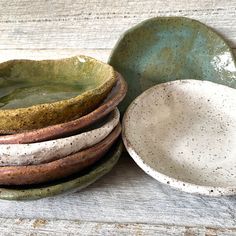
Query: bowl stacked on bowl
pixel 59 125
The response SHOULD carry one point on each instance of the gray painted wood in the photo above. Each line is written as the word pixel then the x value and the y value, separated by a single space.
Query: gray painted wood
pixel 98 24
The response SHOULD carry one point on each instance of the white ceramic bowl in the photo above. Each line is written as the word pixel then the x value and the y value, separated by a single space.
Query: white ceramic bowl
pixel 183 133
pixel 42 152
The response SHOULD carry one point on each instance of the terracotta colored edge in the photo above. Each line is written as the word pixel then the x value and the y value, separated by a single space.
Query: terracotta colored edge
pixel 68 186
pixel 57 169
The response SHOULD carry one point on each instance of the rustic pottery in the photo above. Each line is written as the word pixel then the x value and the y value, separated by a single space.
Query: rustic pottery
pixel 73 184
pixel 185 135
pixel 35 94
pixel 163 49
pixel 43 152
pixel 72 127
pixel 34 174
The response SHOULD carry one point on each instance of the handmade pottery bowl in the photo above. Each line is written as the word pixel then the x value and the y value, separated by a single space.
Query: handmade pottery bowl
pixel 73 184
pixel 35 94
pixel 185 135
pixel 34 174
pixel 163 49
pixel 43 152
pixel 72 127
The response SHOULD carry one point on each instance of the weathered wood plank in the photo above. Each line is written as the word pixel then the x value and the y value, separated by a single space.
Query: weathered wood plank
pixel 128 195
pixel 98 24
pixel 24 227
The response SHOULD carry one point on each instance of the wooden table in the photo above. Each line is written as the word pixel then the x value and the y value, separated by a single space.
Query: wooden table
pixel 126 201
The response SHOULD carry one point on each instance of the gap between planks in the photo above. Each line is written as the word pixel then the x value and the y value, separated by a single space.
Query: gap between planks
pixel 61 227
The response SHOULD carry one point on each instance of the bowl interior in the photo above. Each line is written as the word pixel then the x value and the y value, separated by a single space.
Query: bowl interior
pixel 185 132
pixel 24 83
pixel 164 49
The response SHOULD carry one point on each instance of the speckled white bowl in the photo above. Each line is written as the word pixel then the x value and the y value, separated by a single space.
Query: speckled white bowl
pixel 43 152
pixel 183 133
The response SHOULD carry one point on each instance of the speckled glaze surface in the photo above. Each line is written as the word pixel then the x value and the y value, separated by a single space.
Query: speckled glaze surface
pixel 35 174
pixel 43 152
pixel 72 127
pixel 74 184
pixel 35 94
pixel 185 135
pixel 163 49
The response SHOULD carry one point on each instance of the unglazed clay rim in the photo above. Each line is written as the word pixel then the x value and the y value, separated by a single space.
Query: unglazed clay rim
pixel 16 116
pixel 165 179
pixel 59 130
pixel 71 186
pixel 58 169
pixel 47 151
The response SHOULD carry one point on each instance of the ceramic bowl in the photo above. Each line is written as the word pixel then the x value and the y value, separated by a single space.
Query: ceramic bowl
pixel 72 127
pixel 34 174
pixel 43 152
pixel 163 49
pixel 185 135
pixel 35 94
pixel 69 185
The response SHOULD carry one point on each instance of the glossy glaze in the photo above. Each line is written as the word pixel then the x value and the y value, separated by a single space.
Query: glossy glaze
pixel 43 152
pixel 72 127
pixel 73 184
pixel 35 94
pixel 185 135
pixel 163 49
pixel 34 174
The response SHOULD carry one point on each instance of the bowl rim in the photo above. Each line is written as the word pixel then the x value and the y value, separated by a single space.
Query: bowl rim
pixel 28 174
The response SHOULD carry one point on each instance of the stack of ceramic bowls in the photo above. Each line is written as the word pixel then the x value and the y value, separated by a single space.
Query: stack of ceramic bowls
pixel 59 125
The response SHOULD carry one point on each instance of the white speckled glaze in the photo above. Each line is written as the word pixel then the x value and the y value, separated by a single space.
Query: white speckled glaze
pixel 42 152
pixel 183 133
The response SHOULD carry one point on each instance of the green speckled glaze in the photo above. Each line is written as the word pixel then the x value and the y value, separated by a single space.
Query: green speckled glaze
pixel 35 94
pixel 169 48
pixel 73 184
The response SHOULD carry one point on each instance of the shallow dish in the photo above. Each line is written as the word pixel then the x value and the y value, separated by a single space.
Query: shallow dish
pixel 35 94
pixel 72 127
pixel 185 135
pixel 163 49
pixel 43 152
pixel 34 174
pixel 72 184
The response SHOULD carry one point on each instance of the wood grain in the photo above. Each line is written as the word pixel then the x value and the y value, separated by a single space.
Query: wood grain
pixel 98 24
pixel 25 227
pixel 100 54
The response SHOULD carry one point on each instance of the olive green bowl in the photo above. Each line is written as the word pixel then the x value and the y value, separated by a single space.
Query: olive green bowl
pixel 68 185
pixel 36 94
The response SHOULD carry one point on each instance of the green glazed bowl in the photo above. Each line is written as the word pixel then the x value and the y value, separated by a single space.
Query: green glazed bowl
pixel 35 94
pixel 163 49
pixel 73 184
